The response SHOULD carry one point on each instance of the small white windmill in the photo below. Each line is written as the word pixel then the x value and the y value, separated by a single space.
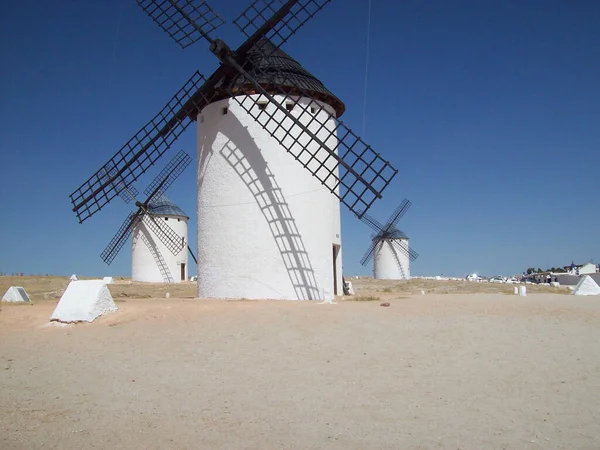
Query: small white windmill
pixel 159 244
pixel 389 247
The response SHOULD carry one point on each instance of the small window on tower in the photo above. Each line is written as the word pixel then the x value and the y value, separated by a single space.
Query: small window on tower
pixel 313 109
pixel 289 106
pixel 166 218
pixel 262 106
pixel 224 111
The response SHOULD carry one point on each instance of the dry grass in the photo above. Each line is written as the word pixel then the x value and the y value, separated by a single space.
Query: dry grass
pixel 46 288
pixel 364 286
pixel 38 288
pixel 359 298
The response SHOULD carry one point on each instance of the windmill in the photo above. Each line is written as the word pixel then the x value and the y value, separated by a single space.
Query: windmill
pixel 389 246
pixel 271 151
pixel 159 229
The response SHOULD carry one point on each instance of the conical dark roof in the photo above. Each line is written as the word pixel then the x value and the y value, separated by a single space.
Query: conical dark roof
pixel 162 206
pixel 266 58
pixel 394 233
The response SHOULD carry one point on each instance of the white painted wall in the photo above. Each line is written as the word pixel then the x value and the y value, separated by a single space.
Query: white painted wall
pixel 266 226
pixel 385 261
pixel 586 269
pixel 147 250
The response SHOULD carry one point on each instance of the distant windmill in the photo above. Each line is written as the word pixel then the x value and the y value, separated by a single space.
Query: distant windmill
pixel 271 150
pixel 392 255
pixel 159 228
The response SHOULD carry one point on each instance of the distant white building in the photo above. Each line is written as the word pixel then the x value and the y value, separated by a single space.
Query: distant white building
pixel 582 269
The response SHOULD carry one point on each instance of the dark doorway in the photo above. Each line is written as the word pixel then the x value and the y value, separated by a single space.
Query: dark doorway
pixel 182 271
pixel 336 251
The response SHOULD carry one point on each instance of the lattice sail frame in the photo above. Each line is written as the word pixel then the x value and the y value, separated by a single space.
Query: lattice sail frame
pixel 368 254
pixel 357 177
pixel 139 153
pixel 167 176
pixel 403 247
pixel 166 234
pixel 260 12
pixel 398 214
pixel 118 241
pixel 185 21
pixel 343 162
pixel 126 193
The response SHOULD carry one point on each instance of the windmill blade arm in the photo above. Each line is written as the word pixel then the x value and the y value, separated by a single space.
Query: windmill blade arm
pixel 127 194
pixel 168 175
pixel 141 151
pixel 165 233
pixel 368 254
pixel 313 136
pixel 192 254
pixel 116 243
pixel 403 247
pixel 398 213
pixel 275 19
pixel 372 222
pixel 185 21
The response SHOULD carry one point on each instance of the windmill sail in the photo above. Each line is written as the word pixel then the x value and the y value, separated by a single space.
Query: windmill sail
pixel 348 167
pixel 274 21
pixel 185 21
pixel 138 154
pixel 121 236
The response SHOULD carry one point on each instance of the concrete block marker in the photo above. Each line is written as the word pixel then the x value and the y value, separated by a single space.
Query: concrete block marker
pixel 586 286
pixel 84 301
pixel 16 294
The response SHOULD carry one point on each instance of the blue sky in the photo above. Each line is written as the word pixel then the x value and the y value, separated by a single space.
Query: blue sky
pixel 490 110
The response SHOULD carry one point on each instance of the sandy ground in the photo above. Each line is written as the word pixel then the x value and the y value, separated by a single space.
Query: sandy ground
pixel 452 370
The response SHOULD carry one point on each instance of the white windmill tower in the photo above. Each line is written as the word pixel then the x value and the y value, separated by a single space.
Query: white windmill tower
pixel 159 244
pixel 389 247
pixel 291 246
pixel 151 256
pixel 271 151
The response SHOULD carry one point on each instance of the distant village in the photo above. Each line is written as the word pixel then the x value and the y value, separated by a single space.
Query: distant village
pixel 566 275
pixel 573 269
